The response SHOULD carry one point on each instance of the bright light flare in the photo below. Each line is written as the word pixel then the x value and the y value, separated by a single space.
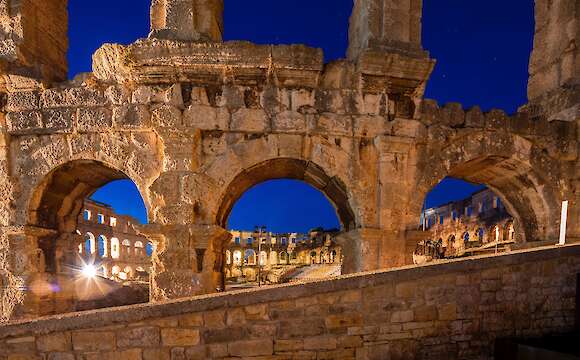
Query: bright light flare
pixel 89 271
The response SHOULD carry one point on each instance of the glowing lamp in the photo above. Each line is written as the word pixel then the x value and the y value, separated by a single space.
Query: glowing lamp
pixel 89 271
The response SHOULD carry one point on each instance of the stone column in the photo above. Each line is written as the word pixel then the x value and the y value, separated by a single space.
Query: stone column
pixel 386 25
pixel 361 249
pixel 187 20
pixel 555 60
pixel 187 261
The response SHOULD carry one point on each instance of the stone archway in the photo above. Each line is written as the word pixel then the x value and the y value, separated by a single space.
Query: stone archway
pixel 511 166
pixel 54 205
pixel 288 168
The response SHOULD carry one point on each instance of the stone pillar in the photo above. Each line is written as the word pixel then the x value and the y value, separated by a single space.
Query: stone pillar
pixel 362 251
pixel 386 25
pixel 555 60
pixel 33 42
pixel 554 83
pixel 385 42
pixel 187 20
pixel 187 261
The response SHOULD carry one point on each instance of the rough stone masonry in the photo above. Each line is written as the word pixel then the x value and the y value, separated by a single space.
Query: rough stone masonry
pixel 194 122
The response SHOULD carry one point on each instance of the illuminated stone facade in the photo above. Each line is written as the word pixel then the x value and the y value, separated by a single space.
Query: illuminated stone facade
pixel 475 225
pixel 112 244
pixel 195 122
pixel 284 252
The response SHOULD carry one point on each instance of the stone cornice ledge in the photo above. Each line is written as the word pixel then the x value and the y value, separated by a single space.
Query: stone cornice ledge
pixel 136 313
pixel 154 61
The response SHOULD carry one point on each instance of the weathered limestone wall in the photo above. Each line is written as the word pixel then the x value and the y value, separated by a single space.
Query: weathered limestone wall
pixel 195 122
pixel 34 41
pixel 195 145
pixel 453 310
pixel 554 62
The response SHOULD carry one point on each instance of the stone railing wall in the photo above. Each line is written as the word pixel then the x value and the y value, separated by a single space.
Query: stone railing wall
pixel 449 310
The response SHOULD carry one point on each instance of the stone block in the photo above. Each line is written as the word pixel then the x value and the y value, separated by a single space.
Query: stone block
pixel 57 342
pixel 343 320
pixel 206 117
pixel 289 121
pixel 405 290
pixel 215 351
pixel 333 124
pixel 425 313
pixel 452 115
pixel 118 95
pixel 93 341
pixel 18 122
pixel 320 343
pixel 301 98
pixel 156 354
pixel 349 341
pixel 496 119
pixel 235 317
pixel 198 96
pixel 369 126
pixel 214 319
pixel 249 120
pixel 474 118
pixel 72 97
pixel 430 112
pixel 58 119
pixel 94 119
pixel 248 348
pixel 191 320
pixel 288 345
pixel 180 337
pixel 336 354
pixel 402 316
pixel 138 337
pixel 257 312
pixel 132 354
pixel 60 356
pixel 166 116
pixel 131 116
pixel 22 101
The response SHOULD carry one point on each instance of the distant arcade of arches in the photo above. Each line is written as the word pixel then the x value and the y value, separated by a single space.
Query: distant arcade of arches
pixel 107 254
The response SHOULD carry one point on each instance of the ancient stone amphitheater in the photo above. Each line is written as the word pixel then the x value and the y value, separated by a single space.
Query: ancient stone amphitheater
pixel 194 122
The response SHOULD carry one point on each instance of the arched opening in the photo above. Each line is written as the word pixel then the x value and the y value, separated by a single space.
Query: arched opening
pixel 281 196
pixel 298 209
pixel 89 245
pixel 102 246
pixel 456 209
pixel 250 256
pixel 74 227
pixel 138 248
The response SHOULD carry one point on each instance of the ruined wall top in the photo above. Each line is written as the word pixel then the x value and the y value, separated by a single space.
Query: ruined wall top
pixel 187 20
pixel 386 25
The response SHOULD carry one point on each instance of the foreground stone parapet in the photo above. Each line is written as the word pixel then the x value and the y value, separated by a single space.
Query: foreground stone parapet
pixel 450 310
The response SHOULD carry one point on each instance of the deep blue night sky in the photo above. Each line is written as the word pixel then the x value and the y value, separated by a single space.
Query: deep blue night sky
pixel 482 56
